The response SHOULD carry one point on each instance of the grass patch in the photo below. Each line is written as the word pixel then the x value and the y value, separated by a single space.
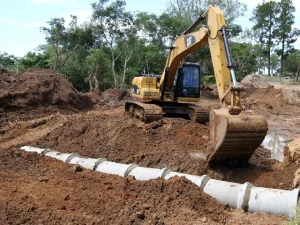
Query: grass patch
pixel 296 221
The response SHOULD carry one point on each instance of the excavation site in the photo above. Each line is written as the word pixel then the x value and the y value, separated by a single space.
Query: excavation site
pixel 79 158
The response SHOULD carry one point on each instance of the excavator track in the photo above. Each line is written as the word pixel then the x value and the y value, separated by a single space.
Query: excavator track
pixel 199 114
pixel 144 111
pixel 235 137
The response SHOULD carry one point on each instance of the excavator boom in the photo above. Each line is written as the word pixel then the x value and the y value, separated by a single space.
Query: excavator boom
pixel 234 132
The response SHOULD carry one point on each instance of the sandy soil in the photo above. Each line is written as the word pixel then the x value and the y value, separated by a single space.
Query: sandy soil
pixel 40 190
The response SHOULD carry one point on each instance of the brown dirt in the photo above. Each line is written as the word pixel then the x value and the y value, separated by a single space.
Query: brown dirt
pixel 277 106
pixel 3 71
pixel 265 101
pixel 255 81
pixel 291 95
pixel 174 143
pixel 294 150
pixel 51 192
pixel 89 197
pixel 113 97
pixel 40 87
pixel 296 182
pixel 110 134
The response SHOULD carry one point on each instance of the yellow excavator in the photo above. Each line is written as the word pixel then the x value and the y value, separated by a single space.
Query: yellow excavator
pixel 234 132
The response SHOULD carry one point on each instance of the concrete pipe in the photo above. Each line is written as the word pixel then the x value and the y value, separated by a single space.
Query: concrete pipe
pixel 223 191
pixel 273 201
pixel 199 181
pixel 65 157
pixel 244 196
pixel 61 156
pixel 88 163
pixel 115 168
pixel 143 173
pixel 33 149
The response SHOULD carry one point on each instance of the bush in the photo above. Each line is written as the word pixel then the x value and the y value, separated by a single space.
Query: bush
pixel 209 79
pixel 296 221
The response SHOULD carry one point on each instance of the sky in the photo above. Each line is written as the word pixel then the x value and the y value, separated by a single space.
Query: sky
pixel 20 20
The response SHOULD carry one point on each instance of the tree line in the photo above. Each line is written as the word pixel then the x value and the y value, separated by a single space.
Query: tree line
pixel 115 45
pixel 273 24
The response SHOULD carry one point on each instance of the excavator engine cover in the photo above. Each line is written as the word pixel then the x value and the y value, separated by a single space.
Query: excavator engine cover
pixel 235 137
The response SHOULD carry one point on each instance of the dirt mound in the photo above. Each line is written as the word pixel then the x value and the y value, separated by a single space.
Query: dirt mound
pixel 291 95
pixel 268 101
pixel 40 87
pixel 121 138
pixel 3 71
pixel 294 150
pixel 114 97
pixel 255 81
pixel 296 182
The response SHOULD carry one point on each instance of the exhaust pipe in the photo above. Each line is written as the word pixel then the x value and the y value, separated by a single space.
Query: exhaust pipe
pixel 244 196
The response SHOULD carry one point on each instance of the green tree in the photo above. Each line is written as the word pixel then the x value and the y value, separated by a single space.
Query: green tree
pixel 153 30
pixel 274 63
pixel 147 57
pixel 292 61
pixel 98 69
pixel 292 64
pixel 112 24
pixel 244 57
pixel 264 17
pixel 192 9
pixel 6 60
pixel 126 48
pixel 65 40
pixel 286 36
pixel 33 60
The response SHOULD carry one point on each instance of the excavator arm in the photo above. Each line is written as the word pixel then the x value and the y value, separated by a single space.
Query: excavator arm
pixel 211 35
pixel 234 132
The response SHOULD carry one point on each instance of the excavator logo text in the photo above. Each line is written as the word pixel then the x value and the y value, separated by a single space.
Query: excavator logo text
pixel 189 40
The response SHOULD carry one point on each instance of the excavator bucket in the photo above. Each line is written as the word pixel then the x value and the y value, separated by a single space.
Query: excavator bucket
pixel 235 137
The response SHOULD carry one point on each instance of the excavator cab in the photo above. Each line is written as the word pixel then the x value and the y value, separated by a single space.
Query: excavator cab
pixel 187 81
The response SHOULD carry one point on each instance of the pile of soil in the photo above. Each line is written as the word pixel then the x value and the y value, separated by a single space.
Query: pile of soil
pixel 296 182
pixel 121 138
pixel 266 101
pixel 255 81
pixel 89 197
pixel 3 71
pixel 294 150
pixel 114 97
pixel 291 95
pixel 40 87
